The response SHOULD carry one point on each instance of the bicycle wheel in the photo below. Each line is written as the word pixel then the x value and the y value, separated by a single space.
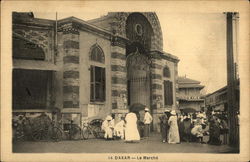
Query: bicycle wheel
pixel 39 135
pixel 75 133
pixel 98 132
pixel 85 133
pixel 56 134
pixel 18 135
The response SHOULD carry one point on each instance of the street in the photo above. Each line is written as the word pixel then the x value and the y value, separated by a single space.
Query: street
pixel 151 145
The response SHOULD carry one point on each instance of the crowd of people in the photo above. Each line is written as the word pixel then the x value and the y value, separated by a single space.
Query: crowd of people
pixel 192 127
pixel 175 128
pixel 128 128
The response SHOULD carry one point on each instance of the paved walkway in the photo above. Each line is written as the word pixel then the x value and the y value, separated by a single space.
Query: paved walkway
pixel 151 145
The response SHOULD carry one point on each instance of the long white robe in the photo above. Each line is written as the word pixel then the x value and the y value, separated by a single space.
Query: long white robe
pixel 173 134
pixel 131 131
pixel 119 129
pixel 108 126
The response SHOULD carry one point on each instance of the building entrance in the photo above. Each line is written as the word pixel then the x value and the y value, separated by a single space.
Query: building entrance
pixel 138 75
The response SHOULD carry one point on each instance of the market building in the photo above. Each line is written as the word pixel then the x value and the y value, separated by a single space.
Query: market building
pixel 91 68
pixel 189 94
pixel 218 100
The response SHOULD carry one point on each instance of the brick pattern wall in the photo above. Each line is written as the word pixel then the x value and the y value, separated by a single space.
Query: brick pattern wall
pixel 70 68
pixel 156 83
pixel 120 27
pixel 157 40
pixel 41 37
pixel 118 58
pixel 118 73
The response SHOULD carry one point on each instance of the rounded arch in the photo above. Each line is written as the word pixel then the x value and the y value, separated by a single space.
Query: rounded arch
pixel 96 54
pixel 166 72
pixel 139 30
pixel 119 27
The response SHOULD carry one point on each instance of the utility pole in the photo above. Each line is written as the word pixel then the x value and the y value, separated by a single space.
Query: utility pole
pixel 231 83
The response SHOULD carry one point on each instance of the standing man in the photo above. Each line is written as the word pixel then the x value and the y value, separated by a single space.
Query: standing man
pixel 164 125
pixel 147 120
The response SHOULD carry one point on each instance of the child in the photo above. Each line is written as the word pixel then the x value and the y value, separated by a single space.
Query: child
pixel 198 131
pixel 119 128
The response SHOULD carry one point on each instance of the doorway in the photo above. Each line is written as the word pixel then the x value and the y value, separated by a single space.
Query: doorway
pixel 138 75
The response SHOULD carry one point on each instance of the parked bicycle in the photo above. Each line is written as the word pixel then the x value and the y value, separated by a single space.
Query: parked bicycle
pixel 70 131
pixel 92 128
pixel 47 129
pixel 19 133
pixel 23 129
pixel 73 130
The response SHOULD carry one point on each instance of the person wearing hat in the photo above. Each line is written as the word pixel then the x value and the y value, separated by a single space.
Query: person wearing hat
pixel 108 127
pixel 173 135
pixel 147 120
pixel 164 125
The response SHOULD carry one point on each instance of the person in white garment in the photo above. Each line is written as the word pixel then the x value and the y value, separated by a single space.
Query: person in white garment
pixel 173 134
pixel 108 127
pixel 147 120
pixel 131 131
pixel 120 128
pixel 198 131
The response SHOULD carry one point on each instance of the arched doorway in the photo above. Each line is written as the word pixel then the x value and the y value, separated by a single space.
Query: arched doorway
pixel 139 32
pixel 138 75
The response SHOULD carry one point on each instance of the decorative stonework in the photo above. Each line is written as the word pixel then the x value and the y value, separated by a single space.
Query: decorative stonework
pixel 69 28
pixel 118 73
pixel 118 57
pixel 42 38
pixel 119 27
pixel 70 66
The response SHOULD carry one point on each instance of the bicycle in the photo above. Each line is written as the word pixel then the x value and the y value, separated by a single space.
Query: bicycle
pixel 91 128
pixel 73 130
pixel 48 129
pixel 22 129
pixel 18 131
pixel 56 132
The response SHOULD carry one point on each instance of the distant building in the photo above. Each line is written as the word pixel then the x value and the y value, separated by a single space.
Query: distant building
pixel 91 68
pixel 189 94
pixel 218 99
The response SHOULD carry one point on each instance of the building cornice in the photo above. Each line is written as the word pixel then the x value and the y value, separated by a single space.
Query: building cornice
pixel 163 55
pixel 73 23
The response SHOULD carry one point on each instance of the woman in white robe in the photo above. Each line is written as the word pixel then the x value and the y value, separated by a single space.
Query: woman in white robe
pixel 131 131
pixel 173 134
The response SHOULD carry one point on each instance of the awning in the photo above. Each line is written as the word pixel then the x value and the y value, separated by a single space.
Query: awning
pixel 219 107
pixel 34 65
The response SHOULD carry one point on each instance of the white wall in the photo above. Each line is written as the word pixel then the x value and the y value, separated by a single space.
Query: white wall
pixel 86 41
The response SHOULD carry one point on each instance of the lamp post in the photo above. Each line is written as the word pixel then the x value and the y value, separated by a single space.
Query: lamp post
pixel 231 81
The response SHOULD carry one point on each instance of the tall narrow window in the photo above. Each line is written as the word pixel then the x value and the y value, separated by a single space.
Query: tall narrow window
pixel 168 92
pixel 97 84
pixel 97 75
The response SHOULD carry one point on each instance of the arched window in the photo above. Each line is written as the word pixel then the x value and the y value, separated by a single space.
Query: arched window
pixel 96 54
pixel 166 72
pixel 97 75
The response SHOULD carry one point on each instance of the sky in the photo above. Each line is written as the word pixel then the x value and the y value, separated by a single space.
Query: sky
pixel 197 39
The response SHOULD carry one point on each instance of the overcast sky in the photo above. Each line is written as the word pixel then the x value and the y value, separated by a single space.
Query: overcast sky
pixel 198 39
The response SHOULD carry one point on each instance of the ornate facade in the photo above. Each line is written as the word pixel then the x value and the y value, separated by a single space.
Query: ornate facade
pixel 96 67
